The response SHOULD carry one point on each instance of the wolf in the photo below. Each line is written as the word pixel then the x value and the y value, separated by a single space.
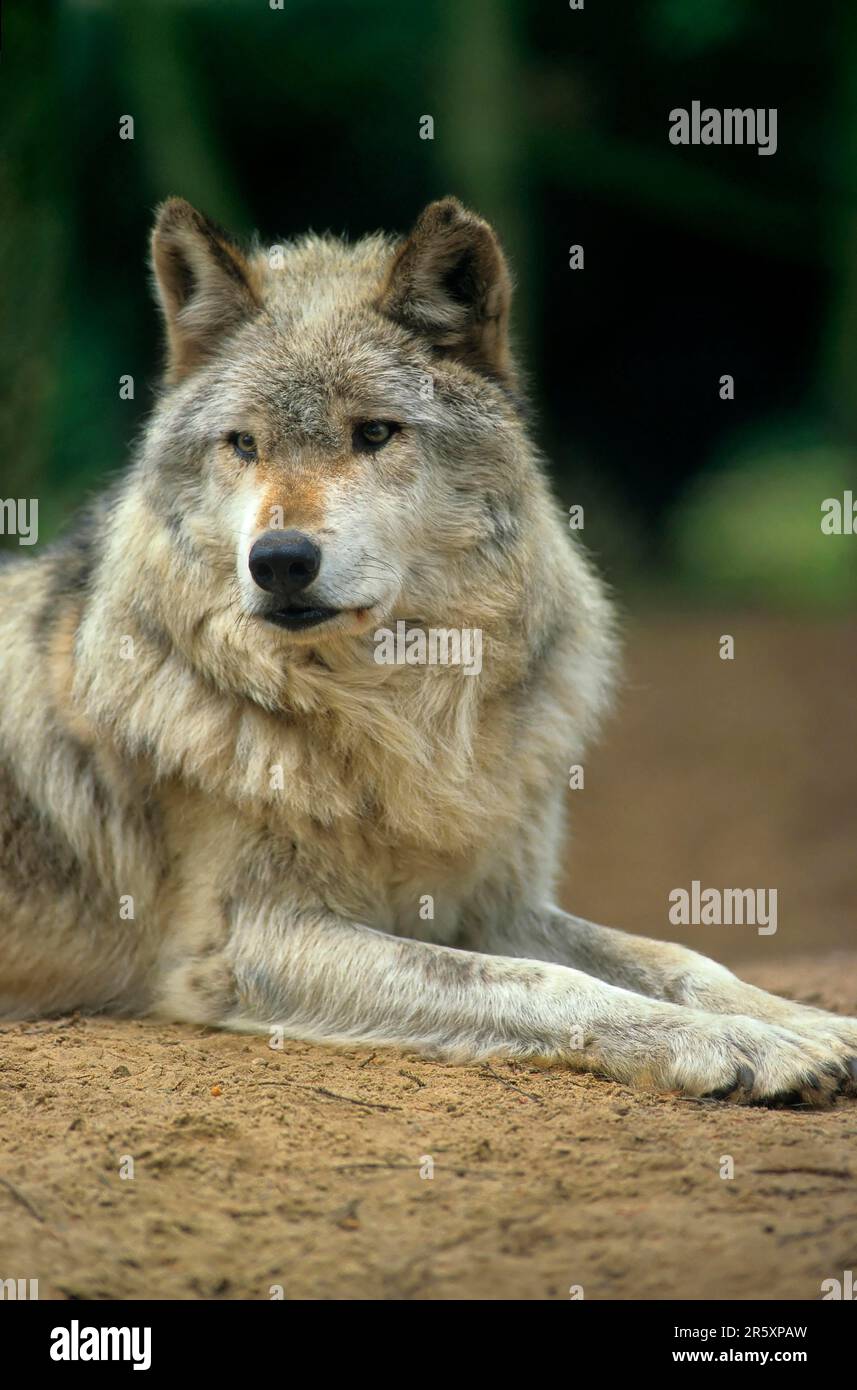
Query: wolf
pixel 218 806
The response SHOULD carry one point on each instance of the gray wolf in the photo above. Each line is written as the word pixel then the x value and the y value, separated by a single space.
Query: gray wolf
pixel 217 806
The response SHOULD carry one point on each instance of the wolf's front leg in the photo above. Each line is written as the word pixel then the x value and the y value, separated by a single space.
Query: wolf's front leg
pixel 327 980
pixel 664 970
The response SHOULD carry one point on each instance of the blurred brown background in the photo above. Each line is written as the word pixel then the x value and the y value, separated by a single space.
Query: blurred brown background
pixel 741 774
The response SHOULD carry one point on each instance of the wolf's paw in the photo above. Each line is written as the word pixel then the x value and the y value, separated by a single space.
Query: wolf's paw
pixel 739 1059
pixel 782 1066
pixel 830 1038
pixel 831 1033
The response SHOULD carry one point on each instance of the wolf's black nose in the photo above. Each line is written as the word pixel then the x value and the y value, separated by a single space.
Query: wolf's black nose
pixel 283 563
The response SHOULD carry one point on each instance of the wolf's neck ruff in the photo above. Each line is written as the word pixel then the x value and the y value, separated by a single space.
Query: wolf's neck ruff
pixel 224 706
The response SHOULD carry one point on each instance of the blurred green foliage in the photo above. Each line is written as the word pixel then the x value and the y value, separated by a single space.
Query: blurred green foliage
pixel 752 529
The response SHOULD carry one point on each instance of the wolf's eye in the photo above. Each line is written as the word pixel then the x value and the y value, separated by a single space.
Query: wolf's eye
pixel 373 434
pixel 244 444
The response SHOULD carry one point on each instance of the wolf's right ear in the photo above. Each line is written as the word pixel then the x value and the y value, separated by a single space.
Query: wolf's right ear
pixel 203 283
pixel 449 283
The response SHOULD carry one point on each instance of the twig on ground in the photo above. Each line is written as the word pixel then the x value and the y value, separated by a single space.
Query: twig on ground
pixel 488 1070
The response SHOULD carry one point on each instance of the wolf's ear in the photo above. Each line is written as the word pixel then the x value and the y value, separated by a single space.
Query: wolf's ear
pixel 449 282
pixel 203 284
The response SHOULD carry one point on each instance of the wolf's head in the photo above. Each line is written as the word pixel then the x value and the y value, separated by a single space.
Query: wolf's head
pixel 340 427
pixel 339 446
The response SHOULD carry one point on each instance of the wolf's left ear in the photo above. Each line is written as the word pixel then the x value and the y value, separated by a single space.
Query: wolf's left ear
pixel 203 284
pixel 449 282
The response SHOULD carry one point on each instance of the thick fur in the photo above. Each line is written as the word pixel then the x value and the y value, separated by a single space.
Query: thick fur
pixel 207 817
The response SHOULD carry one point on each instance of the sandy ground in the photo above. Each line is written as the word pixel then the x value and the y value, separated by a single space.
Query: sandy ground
pixel 308 1168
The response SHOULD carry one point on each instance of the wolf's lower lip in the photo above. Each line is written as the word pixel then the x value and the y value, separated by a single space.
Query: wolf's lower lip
pixel 295 619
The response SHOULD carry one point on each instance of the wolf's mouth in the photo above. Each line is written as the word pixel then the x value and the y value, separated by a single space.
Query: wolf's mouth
pixel 295 619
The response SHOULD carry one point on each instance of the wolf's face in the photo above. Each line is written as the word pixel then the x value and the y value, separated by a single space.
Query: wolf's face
pixel 339 429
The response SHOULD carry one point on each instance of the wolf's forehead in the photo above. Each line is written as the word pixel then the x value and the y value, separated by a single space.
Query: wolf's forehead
pixel 320 349
pixel 310 376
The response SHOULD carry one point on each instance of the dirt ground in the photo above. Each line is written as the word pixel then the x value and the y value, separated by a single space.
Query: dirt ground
pixel 364 1174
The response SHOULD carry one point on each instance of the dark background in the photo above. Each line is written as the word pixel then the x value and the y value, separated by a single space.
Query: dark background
pixel 553 123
